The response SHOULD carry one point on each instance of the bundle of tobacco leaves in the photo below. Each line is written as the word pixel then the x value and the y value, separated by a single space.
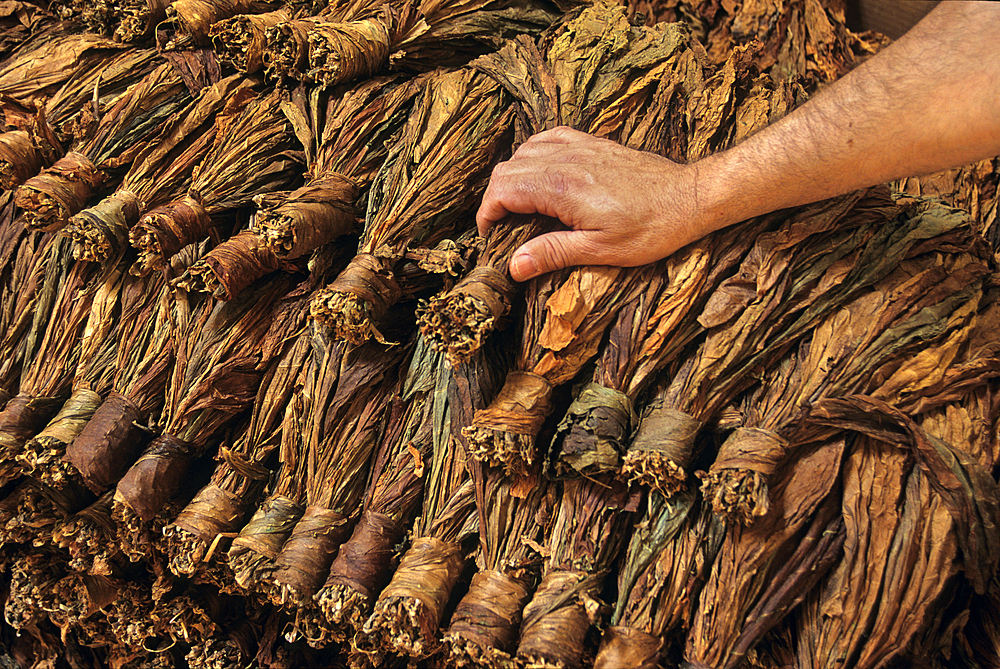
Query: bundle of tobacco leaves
pixel 596 61
pixel 38 123
pixel 514 515
pixel 50 198
pixel 48 371
pixel 662 573
pixel 364 563
pixel 588 530
pixel 930 300
pixel 562 336
pixel 116 303
pixel 285 54
pixel 241 40
pixel 220 508
pixel 919 515
pixel 351 389
pixel 25 305
pixel 189 22
pixel 347 135
pixel 409 610
pixel 768 567
pixel 89 537
pixel 254 151
pixel 221 355
pixel 159 173
pixel 820 257
pixel 432 177
pixel 251 555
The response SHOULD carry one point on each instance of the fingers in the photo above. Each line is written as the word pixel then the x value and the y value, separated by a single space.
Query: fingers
pixel 552 251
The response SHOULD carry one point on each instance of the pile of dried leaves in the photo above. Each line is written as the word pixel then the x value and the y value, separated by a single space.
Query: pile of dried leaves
pixel 267 400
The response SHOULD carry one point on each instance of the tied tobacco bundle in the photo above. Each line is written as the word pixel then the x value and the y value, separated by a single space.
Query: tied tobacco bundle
pixel 652 330
pixel 221 354
pixel 220 508
pixel 286 52
pixel 819 258
pixel 254 150
pixel 364 563
pixel 238 482
pixel 48 371
pixel 241 40
pixel 25 304
pixel 351 390
pixel 347 135
pixel 409 610
pixel 159 173
pixel 114 437
pixel 230 267
pixel 762 571
pixel 597 73
pixel 566 317
pixel 587 533
pixel 432 177
pixel 38 123
pixel 190 21
pixel 115 304
pixel 50 198
pixel 89 537
pixel 515 513
pixel 663 570
pixel 927 531
pixel 931 299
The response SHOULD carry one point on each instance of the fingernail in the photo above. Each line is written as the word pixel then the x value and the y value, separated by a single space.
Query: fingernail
pixel 523 267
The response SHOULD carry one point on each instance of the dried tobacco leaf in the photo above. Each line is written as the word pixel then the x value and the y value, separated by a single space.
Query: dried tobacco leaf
pixel 596 61
pixel 407 614
pixel 431 178
pixel 920 521
pixel 114 438
pixel 790 280
pixel 50 198
pixel 159 173
pixel 254 150
pixel 760 572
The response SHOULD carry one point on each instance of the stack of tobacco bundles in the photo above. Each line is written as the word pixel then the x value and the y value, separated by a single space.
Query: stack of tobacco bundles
pixel 267 399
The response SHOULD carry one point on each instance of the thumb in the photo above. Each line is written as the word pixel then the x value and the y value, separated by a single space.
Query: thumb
pixel 549 252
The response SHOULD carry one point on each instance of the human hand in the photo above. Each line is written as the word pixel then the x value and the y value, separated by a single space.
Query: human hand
pixel 623 207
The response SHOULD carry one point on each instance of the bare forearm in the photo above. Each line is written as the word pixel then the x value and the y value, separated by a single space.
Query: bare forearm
pixel 928 102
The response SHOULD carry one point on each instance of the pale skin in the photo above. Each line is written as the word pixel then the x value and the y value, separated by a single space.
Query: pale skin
pixel 928 102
